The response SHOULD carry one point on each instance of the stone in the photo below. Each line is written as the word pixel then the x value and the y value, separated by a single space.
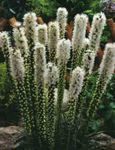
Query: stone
pixel 104 141
pixel 9 136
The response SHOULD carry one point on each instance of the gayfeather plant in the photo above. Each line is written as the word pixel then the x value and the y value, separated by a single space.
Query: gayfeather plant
pixel 63 54
pixel 40 63
pixel 52 101
pixel 99 21
pixel 76 84
pixel 30 26
pixel 42 34
pixel 62 14
pixel 21 41
pixel 53 37
pixel 6 44
pixel 80 24
pixel 18 73
pixel 88 62
pixel 51 78
pixel 106 69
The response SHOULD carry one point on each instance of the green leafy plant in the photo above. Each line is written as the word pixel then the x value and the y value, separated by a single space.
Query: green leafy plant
pixel 40 85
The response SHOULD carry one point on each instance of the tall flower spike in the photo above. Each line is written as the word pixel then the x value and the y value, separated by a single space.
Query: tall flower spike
pixel 105 72
pixel 88 62
pixel 53 33
pixel 40 61
pixel 18 73
pixel 20 40
pixel 51 74
pixel 16 36
pixel 6 50
pixel 83 50
pixel 99 21
pixel 5 39
pixel 107 65
pixel 22 44
pixel 51 77
pixel 17 66
pixel 42 34
pixel 76 84
pixel 39 76
pixel 30 25
pixel 78 38
pixel 87 66
pixel 63 54
pixel 62 20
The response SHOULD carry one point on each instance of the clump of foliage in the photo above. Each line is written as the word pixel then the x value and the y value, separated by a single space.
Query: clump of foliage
pixel 7 100
pixel 47 9
pixel 44 8
pixel 40 80
pixel 107 109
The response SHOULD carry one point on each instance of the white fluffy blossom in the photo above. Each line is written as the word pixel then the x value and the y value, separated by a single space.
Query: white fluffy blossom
pixel 62 20
pixel 20 40
pixel 1 42
pixel 78 39
pixel 86 43
pixel 88 61
pixel 6 46
pixel 42 34
pixel 16 35
pixel 76 83
pixel 80 24
pixel 30 25
pixel 17 65
pixel 5 41
pixel 107 65
pixel 99 21
pixel 75 88
pixel 53 37
pixel 63 51
pixel 40 61
pixel 51 74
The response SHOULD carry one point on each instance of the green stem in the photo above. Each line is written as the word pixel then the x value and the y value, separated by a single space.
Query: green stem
pixel 40 109
pixel 22 100
pixel 51 115
pixel 59 104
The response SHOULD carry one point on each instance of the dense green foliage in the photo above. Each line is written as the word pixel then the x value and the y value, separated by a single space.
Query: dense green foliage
pixel 47 9
pixel 8 106
pixel 104 120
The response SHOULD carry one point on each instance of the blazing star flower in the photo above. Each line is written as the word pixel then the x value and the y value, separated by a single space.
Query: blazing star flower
pixel 63 51
pixel 53 33
pixel 42 34
pixel 17 66
pixel 99 21
pixel 62 20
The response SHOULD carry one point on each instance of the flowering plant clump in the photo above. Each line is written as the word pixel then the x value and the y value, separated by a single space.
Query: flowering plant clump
pixel 46 103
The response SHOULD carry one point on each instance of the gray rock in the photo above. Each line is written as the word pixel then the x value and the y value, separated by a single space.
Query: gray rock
pixel 9 136
pixel 104 141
